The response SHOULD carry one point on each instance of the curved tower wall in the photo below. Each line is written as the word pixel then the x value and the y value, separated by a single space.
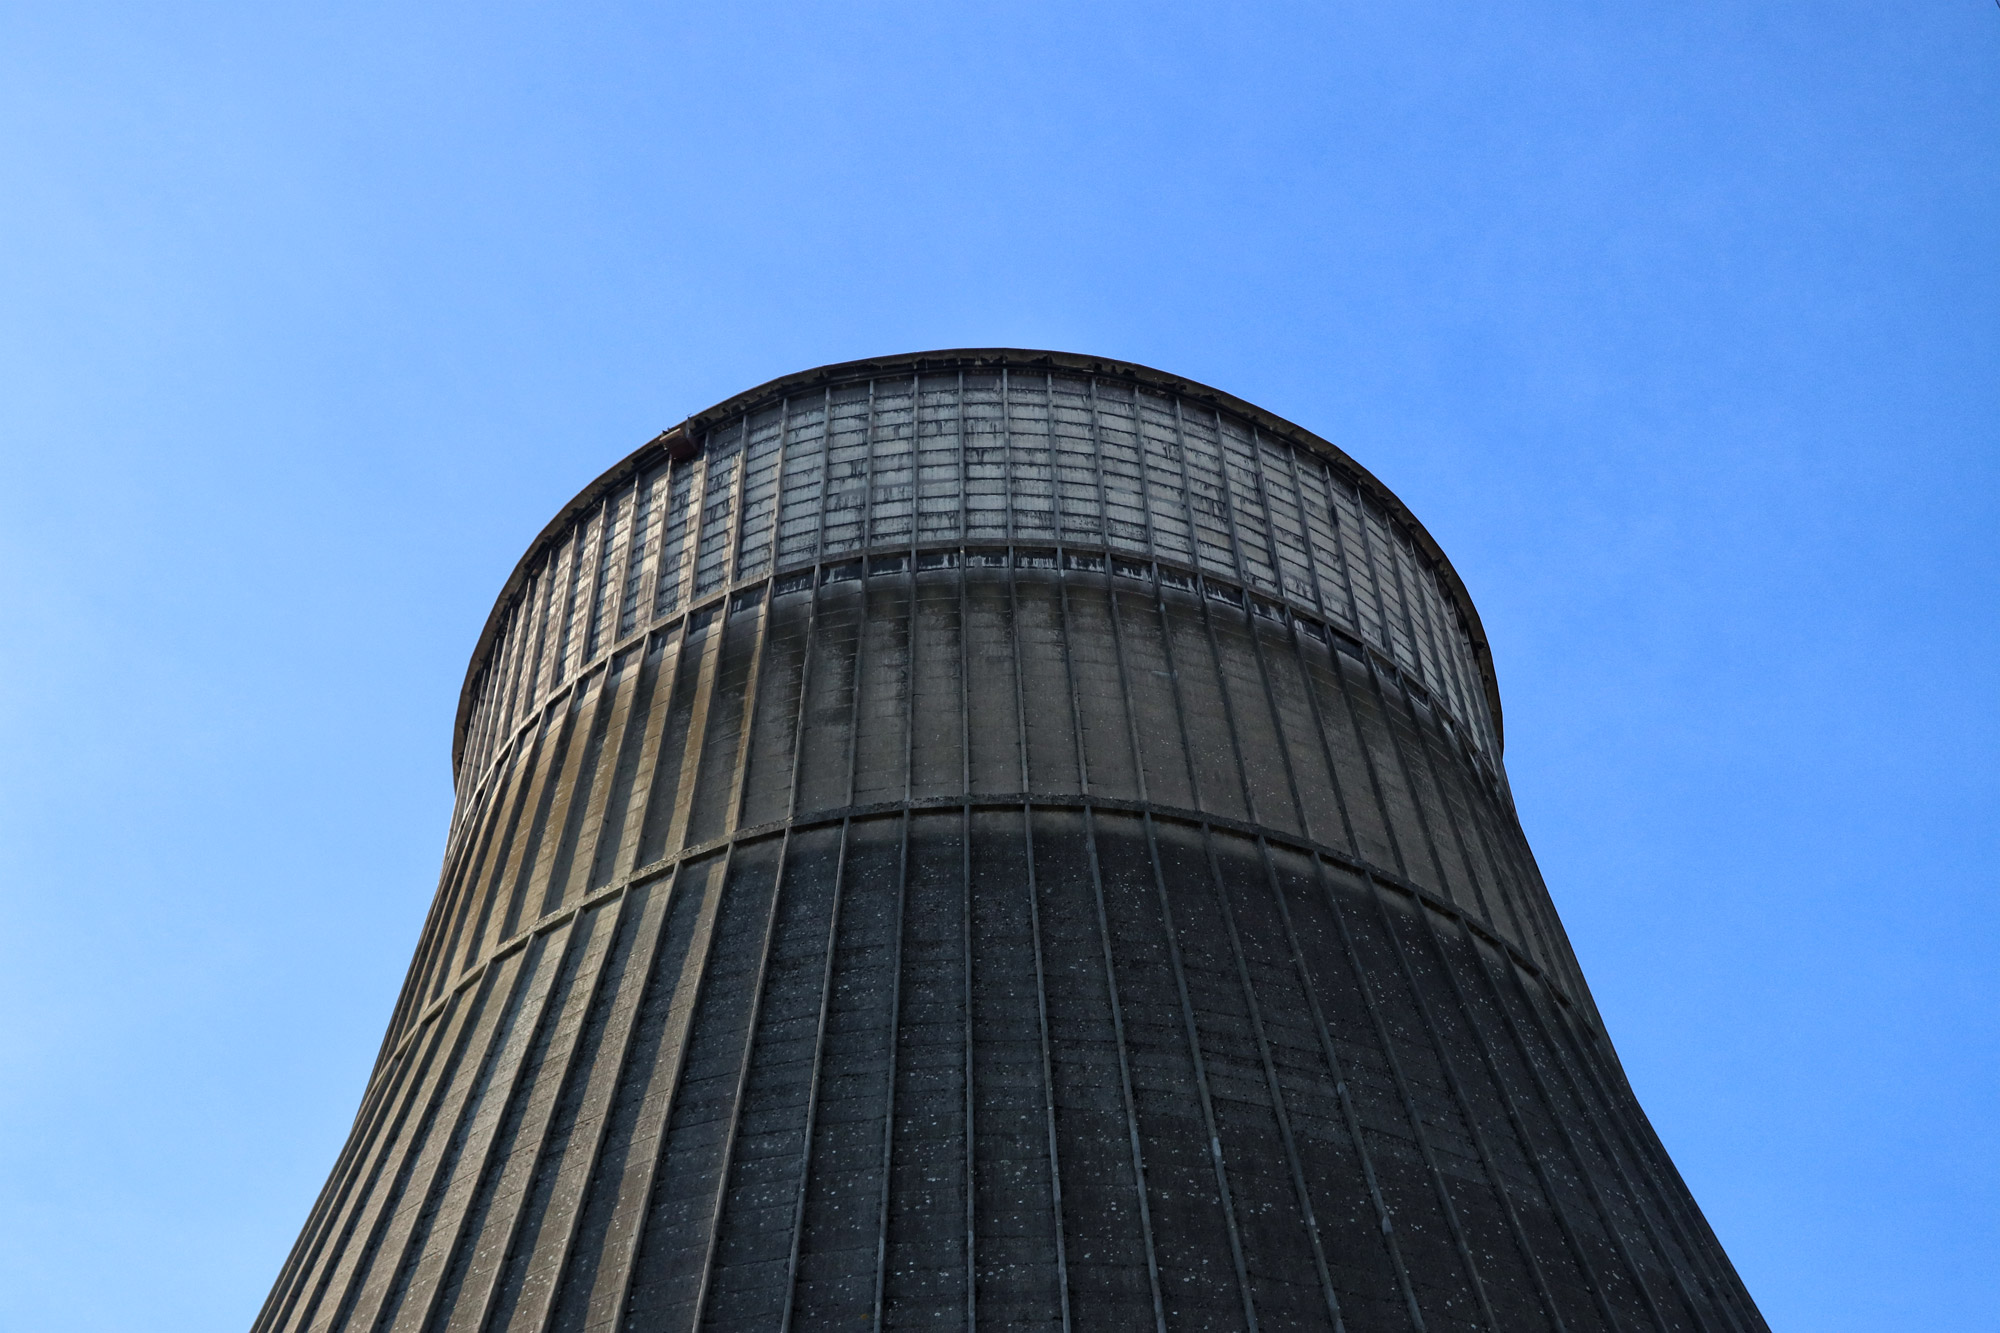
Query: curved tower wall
pixel 996 839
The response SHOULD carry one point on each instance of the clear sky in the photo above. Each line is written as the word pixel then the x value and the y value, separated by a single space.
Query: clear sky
pixel 1678 325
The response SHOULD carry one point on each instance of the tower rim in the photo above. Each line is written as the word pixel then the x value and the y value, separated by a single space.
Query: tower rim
pixel 675 440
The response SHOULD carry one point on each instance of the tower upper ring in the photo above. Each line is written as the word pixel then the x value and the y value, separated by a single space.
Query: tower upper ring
pixel 977 446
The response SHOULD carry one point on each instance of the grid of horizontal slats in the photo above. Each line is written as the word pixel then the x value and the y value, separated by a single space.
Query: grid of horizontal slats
pixel 979 457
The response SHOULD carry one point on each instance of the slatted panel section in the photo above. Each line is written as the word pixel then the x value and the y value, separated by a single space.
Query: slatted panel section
pixel 988 456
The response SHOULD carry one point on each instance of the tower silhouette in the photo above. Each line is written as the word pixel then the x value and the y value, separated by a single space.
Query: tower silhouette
pixel 992 839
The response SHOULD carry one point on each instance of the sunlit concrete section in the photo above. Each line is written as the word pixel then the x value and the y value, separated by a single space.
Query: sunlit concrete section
pixel 993 839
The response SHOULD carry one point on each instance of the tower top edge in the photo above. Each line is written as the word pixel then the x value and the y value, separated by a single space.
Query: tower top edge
pixel 678 441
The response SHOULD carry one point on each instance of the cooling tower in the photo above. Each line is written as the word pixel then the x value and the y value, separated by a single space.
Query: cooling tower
pixel 999 840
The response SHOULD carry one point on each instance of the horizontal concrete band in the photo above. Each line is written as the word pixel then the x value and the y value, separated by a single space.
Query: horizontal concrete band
pixel 1027 801
pixel 1071 560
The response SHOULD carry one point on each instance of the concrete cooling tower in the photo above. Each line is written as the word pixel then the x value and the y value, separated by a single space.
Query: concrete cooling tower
pixel 992 840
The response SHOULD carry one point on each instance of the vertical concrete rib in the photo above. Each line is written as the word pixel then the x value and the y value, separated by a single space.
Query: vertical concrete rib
pixel 491 1150
pixel 377 1109
pixel 1236 951
pixel 1152 849
pixel 712 1231
pixel 1351 1117
pixel 1492 892
pixel 1455 1082
pixel 587 952
pixel 474 886
pixel 621 1026
pixel 1421 1008
pixel 912 639
pixel 1104 927
pixel 1435 776
pixel 826 969
pixel 1217 884
pixel 783 874
pixel 401 1253
pixel 968 1073
pixel 1028 839
pixel 1180 976
pixel 688 992
pixel 1516 1122
pixel 1372 1003
pixel 1642 1146
pixel 695 996
pixel 387 1152
pixel 499 1226
pixel 1554 1045
pixel 458 1023
pixel 1277 890
pixel 618 734
pixel 1201 1079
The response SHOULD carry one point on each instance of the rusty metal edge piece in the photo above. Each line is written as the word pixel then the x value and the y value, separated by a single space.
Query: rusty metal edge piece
pixel 679 443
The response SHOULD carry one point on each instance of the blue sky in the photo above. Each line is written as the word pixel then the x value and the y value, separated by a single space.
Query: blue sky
pixel 1679 326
